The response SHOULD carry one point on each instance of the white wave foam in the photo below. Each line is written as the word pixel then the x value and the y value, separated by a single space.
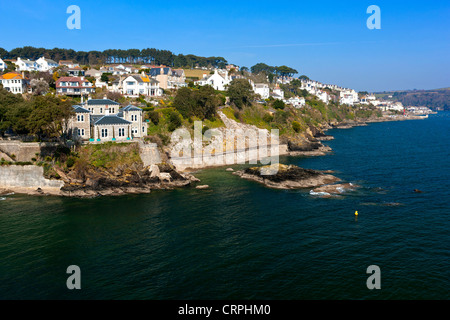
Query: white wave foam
pixel 1 199
pixel 319 193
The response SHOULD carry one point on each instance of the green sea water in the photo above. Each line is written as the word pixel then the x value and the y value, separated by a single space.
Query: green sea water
pixel 240 240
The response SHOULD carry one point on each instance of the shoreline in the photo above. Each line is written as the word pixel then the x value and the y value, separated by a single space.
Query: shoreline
pixel 88 192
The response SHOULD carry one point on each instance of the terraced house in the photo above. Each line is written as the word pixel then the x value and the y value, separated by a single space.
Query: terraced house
pixel 102 120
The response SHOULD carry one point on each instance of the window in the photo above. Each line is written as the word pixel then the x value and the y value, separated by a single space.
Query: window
pixel 80 118
pixel 101 110
pixel 121 132
pixel 143 129
pixel 104 133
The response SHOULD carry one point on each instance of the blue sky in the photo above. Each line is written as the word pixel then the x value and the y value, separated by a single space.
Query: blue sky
pixel 326 40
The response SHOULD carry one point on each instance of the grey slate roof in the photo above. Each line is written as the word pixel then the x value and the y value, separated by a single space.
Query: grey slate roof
pixel 97 102
pixel 79 109
pixel 131 108
pixel 157 71
pixel 111 120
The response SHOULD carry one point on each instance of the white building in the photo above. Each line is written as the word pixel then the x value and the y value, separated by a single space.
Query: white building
pixel 26 65
pixel 296 102
pixel 2 65
pixel 74 86
pixel 141 84
pixel 45 65
pixel 349 96
pixel 216 80
pixel 278 92
pixel 323 96
pixel 14 82
pixel 262 89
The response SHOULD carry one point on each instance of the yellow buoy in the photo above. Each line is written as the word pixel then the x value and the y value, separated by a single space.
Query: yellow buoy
pixel 356 213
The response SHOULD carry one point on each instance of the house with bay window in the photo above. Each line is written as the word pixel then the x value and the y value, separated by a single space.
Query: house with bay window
pixel 140 84
pixel 102 120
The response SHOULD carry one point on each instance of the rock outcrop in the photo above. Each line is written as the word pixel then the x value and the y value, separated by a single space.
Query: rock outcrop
pixel 135 180
pixel 287 177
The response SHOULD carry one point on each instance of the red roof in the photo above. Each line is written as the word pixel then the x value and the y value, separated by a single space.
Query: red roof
pixel 71 79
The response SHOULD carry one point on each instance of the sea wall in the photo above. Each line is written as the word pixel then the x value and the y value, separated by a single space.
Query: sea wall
pixel 22 151
pixel 228 159
pixel 29 177
pixel 149 154
pixel 25 151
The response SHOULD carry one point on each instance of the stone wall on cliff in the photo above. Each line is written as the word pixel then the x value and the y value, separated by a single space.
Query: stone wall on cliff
pixel 29 176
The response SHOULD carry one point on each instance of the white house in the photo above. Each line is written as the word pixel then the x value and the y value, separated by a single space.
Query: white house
pixel 349 96
pixel 296 102
pixel 262 89
pixel 323 96
pixel 2 65
pixel 140 84
pixel 278 92
pixel 216 80
pixel 14 82
pixel 26 65
pixel 45 65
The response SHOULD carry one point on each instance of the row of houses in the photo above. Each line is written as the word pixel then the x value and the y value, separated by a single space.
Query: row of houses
pixel 42 64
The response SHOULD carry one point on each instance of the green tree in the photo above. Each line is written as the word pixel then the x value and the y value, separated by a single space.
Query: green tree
pixel 240 92
pixel 278 104
pixel 104 78
pixel 175 121
pixel 49 116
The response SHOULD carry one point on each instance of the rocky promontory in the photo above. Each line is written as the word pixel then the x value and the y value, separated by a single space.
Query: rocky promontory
pixel 135 180
pixel 287 177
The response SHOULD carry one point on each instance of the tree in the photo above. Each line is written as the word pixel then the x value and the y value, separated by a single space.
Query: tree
pixel 278 104
pixel 207 102
pixel 184 102
pixel 303 77
pixel 39 86
pixel 202 103
pixel 174 120
pixel 240 92
pixel 49 116
pixel 104 78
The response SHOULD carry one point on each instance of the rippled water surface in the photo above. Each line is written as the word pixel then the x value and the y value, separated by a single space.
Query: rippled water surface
pixel 240 240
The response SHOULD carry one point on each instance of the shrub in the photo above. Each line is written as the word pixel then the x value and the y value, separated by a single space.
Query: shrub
pixel 70 162
pixel 279 104
pixel 154 117
pixel 174 121
pixel 296 126
pixel 268 118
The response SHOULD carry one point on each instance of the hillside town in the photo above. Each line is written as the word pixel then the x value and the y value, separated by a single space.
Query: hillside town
pixel 99 118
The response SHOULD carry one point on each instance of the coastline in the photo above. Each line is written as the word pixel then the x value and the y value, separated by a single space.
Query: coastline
pixel 178 178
